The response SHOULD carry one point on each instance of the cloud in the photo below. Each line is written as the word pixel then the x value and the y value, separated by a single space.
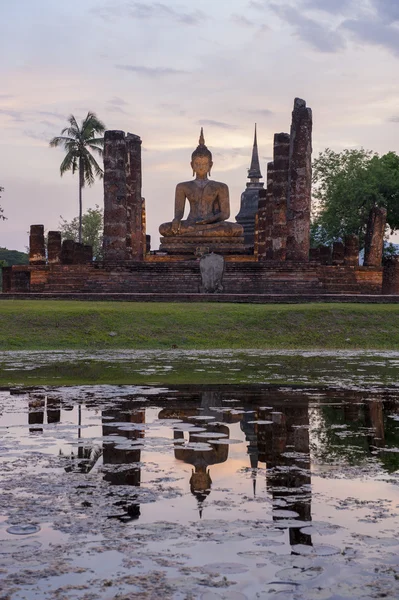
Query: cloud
pixel 387 10
pixel 372 31
pixel 331 6
pixel 117 101
pixel 15 115
pixel 42 137
pixel 262 112
pixel 151 71
pixel 144 10
pixel 46 113
pixel 176 109
pixel 308 30
pixel 243 21
pixel 220 124
pixel 394 119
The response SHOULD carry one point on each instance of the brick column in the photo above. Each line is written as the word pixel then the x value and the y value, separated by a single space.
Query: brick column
pixel 300 183
pixel 281 154
pixel 54 247
pixel 115 227
pixel 135 235
pixel 265 218
pixel 338 253
pixel 374 242
pixel 390 279
pixel 37 250
pixel 351 256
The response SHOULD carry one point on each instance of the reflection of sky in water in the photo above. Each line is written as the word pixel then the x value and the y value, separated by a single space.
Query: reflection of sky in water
pixel 293 490
pixel 338 368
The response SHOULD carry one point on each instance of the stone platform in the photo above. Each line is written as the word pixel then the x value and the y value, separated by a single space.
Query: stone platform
pixel 182 279
pixel 195 245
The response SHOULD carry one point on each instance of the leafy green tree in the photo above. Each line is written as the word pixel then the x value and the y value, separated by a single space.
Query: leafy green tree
pixel 92 230
pixel 347 185
pixel 78 143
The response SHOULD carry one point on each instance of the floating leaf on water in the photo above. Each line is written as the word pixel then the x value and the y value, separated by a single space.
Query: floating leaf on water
pixel 299 574
pixel 288 514
pixel 316 550
pixel 27 529
pixel 198 446
pixel 211 434
pixel 226 441
pixel 230 595
pixel 233 568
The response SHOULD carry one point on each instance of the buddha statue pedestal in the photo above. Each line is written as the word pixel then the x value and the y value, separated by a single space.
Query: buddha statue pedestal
pixel 183 244
pixel 206 228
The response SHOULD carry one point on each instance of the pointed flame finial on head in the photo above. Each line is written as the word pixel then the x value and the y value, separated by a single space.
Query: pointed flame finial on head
pixel 201 149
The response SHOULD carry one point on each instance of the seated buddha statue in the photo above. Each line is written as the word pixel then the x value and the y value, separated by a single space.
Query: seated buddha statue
pixel 208 200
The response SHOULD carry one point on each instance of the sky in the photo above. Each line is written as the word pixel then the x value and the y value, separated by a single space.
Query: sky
pixel 162 70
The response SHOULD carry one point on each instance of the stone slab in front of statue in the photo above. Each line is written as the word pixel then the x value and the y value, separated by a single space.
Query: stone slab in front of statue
pixel 211 268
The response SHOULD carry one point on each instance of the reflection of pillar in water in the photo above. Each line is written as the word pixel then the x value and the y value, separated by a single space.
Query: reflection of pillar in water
pixel 250 430
pixel 113 455
pixel 36 413
pixel 53 410
pixel 374 413
pixel 353 410
pixel 287 472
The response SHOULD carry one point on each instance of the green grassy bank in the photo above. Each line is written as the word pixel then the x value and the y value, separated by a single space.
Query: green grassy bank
pixel 48 325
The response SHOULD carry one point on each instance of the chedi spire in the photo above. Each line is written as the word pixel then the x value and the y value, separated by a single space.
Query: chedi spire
pixel 254 169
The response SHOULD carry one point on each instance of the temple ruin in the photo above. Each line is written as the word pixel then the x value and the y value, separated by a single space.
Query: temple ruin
pixel 265 254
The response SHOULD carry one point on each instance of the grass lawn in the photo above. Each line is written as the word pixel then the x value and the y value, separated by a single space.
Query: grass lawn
pixel 51 325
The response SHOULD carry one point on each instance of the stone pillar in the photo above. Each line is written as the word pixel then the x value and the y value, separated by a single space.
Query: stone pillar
pixel 115 222
pixel 338 253
pixel 54 247
pixel 37 250
pixel 374 242
pixel 135 242
pixel 68 252
pixel 281 154
pixel 351 256
pixel 314 254
pixel 390 279
pixel 325 255
pixel 265 218
pixel 300 183
pixel 87 253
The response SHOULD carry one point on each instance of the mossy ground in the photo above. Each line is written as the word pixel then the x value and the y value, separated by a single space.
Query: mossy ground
pixel 56 325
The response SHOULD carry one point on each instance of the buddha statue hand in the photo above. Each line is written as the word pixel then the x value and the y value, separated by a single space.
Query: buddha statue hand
pixel 176 224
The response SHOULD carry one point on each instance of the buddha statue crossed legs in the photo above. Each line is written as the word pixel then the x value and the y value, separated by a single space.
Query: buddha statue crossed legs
pixel 209 209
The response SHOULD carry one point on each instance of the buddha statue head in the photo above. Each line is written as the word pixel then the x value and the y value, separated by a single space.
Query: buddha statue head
pixel 201 159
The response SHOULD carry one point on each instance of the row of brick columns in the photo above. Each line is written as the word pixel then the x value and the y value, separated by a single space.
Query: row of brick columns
pixel 67 253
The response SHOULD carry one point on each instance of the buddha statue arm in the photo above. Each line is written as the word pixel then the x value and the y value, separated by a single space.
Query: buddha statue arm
pixel 180 201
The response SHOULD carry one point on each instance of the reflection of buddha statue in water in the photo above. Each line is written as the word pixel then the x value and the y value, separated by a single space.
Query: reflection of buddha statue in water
pixel 209 204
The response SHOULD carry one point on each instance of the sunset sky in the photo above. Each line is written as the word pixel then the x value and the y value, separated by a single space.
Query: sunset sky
pixel 164 69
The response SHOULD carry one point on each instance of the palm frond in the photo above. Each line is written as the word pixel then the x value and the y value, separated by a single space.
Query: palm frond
pixel 69 163
pixel 60 140
pixel 97 169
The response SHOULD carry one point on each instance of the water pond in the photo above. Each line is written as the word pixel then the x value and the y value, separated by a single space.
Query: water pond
pixel 206 491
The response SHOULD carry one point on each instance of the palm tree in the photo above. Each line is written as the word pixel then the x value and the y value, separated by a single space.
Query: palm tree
pixel 78 142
